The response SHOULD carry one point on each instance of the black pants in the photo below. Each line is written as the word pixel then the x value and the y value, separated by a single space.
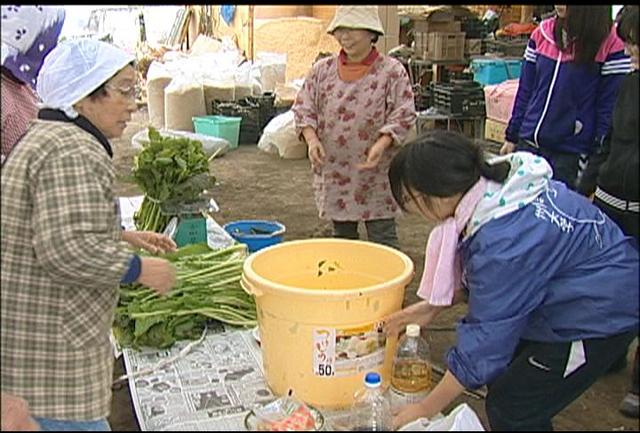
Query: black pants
pixel 533 390
pixel 382 231
pixel 565 165
pixel 628 221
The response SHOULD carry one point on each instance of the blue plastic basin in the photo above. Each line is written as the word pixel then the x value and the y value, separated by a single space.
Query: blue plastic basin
pixel 256 234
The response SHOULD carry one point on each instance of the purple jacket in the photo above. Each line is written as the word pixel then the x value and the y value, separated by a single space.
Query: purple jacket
pixel 561 106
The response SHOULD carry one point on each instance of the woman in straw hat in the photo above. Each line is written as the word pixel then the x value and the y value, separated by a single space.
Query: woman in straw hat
pixel 354 111
pixel 63 249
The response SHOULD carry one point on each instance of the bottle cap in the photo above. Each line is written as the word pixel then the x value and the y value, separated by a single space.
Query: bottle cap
pixel 413 330
pixel 372 380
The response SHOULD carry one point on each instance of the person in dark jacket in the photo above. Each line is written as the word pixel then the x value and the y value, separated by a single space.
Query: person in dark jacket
pixel 552 283
pixel 573 66
pixel 617 192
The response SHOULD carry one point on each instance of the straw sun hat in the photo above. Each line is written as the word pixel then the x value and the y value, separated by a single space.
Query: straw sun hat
pixel 357 17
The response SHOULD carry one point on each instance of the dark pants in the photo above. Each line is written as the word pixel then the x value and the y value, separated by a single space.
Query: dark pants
pixel 629 222
pixel 382 231
pixel 565 165
pixel 533 390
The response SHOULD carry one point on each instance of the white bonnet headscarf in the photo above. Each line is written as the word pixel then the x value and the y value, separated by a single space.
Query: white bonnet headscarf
pixel 76 68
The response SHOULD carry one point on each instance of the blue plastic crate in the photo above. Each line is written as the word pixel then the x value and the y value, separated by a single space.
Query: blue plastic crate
pixel 256 234
pixel 495 71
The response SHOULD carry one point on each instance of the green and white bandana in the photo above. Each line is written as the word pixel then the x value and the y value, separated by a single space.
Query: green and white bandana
pixel 528 178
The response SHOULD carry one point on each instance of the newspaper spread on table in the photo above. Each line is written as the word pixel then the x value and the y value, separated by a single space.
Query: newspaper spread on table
pixel 212 387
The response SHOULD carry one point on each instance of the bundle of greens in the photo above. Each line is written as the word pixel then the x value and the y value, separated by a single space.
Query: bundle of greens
pixel 208 287
pixel 170 171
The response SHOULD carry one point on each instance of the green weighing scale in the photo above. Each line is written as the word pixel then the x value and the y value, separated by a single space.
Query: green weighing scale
pixel 188 223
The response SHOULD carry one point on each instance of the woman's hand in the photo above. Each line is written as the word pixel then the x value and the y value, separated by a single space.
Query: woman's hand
pixel 375 152
pixel 157 274
pixel 16 415
pixel 421 313
pixel 316 153
pixel 507 147
pixel 150 241
pixel 441 396
pixel 406 414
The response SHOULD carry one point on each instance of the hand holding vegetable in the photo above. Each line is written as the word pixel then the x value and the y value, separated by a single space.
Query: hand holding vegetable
pixel 157 274
pixel 152 242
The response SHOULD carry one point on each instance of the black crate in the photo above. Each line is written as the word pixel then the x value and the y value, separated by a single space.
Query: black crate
pixel 423 100
pixel 475 28
pixel 459 99
pixel 507 46
pixel 256 112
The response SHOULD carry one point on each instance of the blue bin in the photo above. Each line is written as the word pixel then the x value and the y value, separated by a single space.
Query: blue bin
pixel 256 234
pixel 495 71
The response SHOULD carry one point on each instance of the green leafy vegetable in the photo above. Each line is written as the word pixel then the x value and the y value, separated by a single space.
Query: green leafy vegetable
pixel 208 287
pixel 169 170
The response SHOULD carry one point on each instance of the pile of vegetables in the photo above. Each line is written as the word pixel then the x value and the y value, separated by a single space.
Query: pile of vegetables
pixel 208 287
pixel 170 171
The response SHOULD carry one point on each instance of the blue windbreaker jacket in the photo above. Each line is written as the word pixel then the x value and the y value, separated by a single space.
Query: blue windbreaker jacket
pixel 557 270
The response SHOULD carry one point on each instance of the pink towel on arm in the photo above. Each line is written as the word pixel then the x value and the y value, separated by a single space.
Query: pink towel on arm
pixel 442 267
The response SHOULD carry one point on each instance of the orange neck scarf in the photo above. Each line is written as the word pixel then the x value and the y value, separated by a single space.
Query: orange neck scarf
pixel 355 71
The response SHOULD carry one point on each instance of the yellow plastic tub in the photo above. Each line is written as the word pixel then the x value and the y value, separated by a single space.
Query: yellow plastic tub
pixel 320 303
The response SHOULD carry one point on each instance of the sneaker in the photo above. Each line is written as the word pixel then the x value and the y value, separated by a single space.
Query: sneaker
pixel 630 406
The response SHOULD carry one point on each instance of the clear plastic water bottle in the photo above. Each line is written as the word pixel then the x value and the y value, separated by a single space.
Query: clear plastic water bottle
pixel 411 373
pixel 371 409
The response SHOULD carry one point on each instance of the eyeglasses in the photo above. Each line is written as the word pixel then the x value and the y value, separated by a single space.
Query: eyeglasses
pixel 128 92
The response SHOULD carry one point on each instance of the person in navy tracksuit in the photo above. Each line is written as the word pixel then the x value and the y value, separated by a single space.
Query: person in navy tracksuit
pixel 573 66
pixel 551 280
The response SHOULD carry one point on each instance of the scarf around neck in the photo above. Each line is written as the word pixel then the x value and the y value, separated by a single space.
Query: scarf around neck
pixel 80 121
pixel 487 200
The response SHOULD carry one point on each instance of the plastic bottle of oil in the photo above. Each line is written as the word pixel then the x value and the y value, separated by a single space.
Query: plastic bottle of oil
pixel 411 374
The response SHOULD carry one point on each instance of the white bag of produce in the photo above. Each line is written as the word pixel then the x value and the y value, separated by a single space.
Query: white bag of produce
pixel 210 144
pixel 462 418
pixel 158 78
pixel 273 70
pixel 279 136
pixel 183 100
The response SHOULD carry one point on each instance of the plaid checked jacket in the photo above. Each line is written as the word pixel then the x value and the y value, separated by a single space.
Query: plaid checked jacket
pixel 62 260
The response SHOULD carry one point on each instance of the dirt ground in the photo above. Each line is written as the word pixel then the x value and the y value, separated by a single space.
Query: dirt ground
pixel 256 185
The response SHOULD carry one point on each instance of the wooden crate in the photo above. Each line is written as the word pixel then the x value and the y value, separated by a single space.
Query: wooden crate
pixel 445 46
pixel 494 130
pixel 427 26
pixel 472 47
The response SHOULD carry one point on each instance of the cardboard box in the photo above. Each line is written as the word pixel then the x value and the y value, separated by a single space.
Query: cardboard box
pixel 494 130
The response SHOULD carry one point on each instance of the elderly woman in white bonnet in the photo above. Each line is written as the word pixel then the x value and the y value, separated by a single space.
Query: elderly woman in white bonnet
pixel 64 253
pixel 355 111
